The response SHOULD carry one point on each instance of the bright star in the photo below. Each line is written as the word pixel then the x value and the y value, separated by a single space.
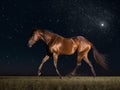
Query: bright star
pixel 102 24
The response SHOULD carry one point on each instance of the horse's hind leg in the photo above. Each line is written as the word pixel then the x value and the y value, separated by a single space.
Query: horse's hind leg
pixel 79 59
pixel 41 65
pixel 55 57
pixel 90 64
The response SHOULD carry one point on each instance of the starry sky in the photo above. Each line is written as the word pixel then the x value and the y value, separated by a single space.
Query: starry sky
pixel 97 20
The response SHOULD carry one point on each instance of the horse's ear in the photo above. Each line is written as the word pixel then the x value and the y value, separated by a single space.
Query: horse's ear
pixel 38 31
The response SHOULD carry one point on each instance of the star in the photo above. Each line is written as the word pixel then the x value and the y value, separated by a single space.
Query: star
pixel 8 62
pixel 102 24
pixel 7 56
pixel 57 20
pixel 10 37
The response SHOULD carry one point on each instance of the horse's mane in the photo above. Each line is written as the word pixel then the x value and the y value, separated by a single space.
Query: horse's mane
pixel 46 31
pixel 51 33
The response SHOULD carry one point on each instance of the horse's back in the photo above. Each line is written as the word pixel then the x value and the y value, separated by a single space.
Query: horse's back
pixel 65 46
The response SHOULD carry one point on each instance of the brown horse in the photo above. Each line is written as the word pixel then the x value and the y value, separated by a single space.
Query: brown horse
pixel 58 45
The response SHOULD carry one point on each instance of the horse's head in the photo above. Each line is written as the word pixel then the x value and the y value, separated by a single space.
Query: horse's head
pixel 37 34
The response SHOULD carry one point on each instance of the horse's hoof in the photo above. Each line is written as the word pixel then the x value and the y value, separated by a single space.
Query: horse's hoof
pixel 60 77
pixel 73 74
pixel 69 76
pixel 94 75
pixel 39 74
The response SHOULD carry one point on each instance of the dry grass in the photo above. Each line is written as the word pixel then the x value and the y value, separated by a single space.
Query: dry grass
pixel 54 83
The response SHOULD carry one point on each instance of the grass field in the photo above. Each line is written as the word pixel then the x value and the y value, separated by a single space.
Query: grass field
pixel 54 83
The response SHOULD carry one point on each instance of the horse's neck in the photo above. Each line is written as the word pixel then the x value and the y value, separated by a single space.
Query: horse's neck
pixel 48 37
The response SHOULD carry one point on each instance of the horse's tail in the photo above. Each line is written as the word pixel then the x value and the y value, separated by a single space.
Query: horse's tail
pixel 99 58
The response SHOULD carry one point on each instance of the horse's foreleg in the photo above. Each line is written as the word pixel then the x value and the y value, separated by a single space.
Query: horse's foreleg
pixel 40 66
pixel 90 64
pixel 55 57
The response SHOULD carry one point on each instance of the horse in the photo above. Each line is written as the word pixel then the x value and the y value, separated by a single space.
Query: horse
pixel 59 45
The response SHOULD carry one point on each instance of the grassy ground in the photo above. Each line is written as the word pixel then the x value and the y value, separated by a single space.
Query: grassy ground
pixel 54 83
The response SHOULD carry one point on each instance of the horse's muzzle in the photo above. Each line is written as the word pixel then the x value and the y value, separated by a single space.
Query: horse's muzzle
pixel 29 45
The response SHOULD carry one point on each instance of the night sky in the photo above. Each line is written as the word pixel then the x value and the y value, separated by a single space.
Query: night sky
pixel 97 20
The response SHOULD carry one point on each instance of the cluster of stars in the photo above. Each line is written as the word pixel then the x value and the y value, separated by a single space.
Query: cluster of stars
pixel 5 59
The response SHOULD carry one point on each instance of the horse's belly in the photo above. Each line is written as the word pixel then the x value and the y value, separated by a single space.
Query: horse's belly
pixel 67 50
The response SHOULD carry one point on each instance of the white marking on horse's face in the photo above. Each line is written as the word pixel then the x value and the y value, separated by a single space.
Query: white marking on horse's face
pixel 32 40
